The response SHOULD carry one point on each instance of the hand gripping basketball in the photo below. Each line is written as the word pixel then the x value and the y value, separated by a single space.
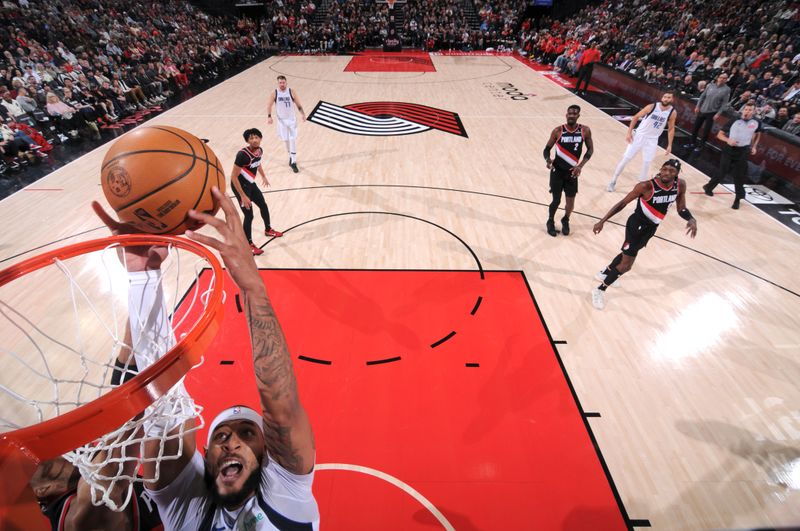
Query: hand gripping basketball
pixel 232 244
pixel 139 258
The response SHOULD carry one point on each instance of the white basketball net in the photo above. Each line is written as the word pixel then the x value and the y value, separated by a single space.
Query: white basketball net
pixel 62 329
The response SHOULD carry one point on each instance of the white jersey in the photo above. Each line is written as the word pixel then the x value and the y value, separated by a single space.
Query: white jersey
pixel 654 122
pixel 283 501
pixel 284 105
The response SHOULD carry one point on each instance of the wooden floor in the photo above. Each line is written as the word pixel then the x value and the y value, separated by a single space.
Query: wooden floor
pixel 694 363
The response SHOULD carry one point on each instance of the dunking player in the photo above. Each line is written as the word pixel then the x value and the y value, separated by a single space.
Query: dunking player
pixel 286 100
pixel 655 117
pixel 243 182
pixel 258 467
pixel 566 168
pixel 654 198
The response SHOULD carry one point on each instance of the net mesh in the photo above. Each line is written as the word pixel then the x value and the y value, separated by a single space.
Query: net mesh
pixel 64 331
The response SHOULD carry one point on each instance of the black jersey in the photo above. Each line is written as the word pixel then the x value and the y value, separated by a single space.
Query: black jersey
pixel 249 160
pixel 569 147
pixel 655 207
pixel 145 514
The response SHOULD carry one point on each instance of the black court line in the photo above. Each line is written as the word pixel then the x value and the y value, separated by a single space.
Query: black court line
pixel 560 342
pixel 315 360
pixel 586 424
pixel 487 194
pixel 640 523
pixel 473 364
pixel 226 362
pixel 238 303
pixel 591 414
pixel 387 360
pixel 451 233
pixel 477 305
pixel 445 338
pixel 531 202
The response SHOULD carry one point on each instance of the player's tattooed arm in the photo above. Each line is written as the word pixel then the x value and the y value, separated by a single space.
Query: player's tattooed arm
pixel 680 203
pixel 286 426
pixel 299 105
pixel 549 146
pixel 287 429
pixel 639 190
pixel 587 137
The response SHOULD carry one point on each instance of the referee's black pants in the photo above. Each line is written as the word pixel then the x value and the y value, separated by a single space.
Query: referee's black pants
pixel 733 162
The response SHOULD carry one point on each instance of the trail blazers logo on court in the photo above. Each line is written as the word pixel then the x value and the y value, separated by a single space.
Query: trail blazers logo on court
pixel 385 118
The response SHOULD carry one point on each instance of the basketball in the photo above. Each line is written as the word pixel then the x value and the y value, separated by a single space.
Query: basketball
pixel 154 175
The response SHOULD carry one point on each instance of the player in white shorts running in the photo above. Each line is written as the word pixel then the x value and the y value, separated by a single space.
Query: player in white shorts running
pixel 285 101
pixel 654 118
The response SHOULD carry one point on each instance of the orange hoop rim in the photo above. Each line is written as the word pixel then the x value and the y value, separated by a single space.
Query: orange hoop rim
pixel 71 430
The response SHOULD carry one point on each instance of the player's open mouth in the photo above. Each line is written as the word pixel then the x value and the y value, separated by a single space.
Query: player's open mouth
pixel 230 471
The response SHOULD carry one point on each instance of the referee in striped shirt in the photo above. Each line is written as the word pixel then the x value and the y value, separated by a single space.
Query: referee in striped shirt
pixel 741 138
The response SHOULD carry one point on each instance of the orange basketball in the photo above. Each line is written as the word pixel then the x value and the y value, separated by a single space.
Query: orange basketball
pixel 155 174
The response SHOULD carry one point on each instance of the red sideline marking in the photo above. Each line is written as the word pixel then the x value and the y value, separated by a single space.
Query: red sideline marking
pixel 43 189
pixel 421 114
pixel 502 446
pixel 555 77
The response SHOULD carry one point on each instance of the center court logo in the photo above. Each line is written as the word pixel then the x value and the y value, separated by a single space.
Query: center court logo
pixel 385 118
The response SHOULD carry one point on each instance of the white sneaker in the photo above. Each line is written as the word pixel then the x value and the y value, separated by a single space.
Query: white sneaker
pixel 600 276
pixel 611 186
pixel 598 298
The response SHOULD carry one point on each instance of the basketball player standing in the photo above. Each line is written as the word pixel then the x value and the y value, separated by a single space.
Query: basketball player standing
pixel 654 118
pixel 654 198
pixel 243 182
pixel 566 168
pixel 286 100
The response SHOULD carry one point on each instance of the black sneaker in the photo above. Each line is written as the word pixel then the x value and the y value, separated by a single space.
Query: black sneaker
pixel 707 191
pixel 735 204
pixel 551 227
pixel 565 226
pixel 294 167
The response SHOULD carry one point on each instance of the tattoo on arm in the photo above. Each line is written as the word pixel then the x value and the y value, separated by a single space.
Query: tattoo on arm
pixel 589 146
pixel 276 381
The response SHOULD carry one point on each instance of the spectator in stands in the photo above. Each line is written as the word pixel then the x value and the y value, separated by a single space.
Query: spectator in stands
pixel 27 103
pixel 12 107
pixel 713 101
pixel 11 146
pixel 67 118
pixel 781 118
pixel 793 127
pixel 686 87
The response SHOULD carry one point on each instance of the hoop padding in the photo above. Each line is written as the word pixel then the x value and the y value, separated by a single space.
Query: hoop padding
pixel 75 428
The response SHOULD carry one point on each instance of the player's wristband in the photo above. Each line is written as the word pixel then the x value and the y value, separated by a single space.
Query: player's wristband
pixel 269 116
pixel 685 214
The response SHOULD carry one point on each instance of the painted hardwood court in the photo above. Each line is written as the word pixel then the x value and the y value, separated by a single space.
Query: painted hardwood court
pixel 692 366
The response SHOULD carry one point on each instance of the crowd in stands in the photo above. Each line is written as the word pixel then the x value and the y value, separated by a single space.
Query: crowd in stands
pixel 683 46
pixel 72 69
pixel 680 46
